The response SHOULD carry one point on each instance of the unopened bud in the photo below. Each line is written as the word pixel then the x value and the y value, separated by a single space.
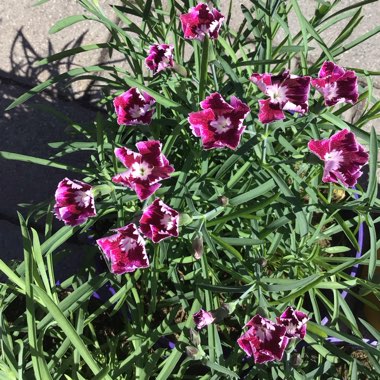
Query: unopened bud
pixel 179 69
pixel 223 201
pixel 192 352
pixel 198 247
pixel 220 313
pixel 195 338
pixel 262 262
pixel 296 359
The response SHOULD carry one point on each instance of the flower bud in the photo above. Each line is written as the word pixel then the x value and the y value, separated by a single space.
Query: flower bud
pixel 198 247
pixel 262 262
pixel 296 360
pixel 192 352
pixel 195 338
pixel 220 313
pixel 223 201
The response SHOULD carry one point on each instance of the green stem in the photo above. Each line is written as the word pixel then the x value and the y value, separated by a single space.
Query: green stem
pixel 204 67
pixel 264 145
pixel 268 47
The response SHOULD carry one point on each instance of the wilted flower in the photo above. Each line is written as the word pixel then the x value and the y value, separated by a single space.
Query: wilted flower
pixel 203 318
pixel 336 84
pixel 219 124
pixel 265 340
pixel 145 169
pixel 294 321
pixel 74 202
pixel 343 157
pixel 201 21
pixel 134 107
pixel 159 221
pixel 286 93
pixel 160 57
pixel 125 250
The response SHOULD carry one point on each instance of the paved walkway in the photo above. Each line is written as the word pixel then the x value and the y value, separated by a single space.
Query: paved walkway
pixel 28 128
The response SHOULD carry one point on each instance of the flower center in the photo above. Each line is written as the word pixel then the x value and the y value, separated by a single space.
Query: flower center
pixel 83 198
pixel 141 170
pixel 127 244
pixel 276 93
pixel 333 160
pixel 221 124
pixel 167 222
pixel 202 30
pixel 137 111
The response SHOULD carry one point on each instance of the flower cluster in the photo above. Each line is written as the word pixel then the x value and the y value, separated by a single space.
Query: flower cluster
pixel 219 124
pixel 266 340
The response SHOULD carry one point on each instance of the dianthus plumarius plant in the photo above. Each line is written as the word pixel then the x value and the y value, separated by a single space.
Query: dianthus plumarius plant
pixel 221 201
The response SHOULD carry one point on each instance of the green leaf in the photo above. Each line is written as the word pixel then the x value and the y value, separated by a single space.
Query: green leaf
pixel 254 193
pixel 287 284
pixel 69 52
pixel 372 180
pixel 343 125
pixel 347 230
pixel 83 70
pixel 227 247
pixel 39 364
pixel 244 211
pixel 41 161
pixel 68 21
pixel 372 247
pixel 217 367
pixel 69 331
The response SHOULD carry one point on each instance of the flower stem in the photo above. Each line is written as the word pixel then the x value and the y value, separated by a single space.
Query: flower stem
pixel 264 145
pixel 204 67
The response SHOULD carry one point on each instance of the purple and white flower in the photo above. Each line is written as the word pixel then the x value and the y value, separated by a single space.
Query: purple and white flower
pixel 219 124
pixel 265 340
pixel 159 221
pixel 286 92
pixel 160 57
pixel 336 84
pixel 203 318
pixel 125 250
pixel 201 21
pixel 145 169
pixel 295 322
pixel 343 156
pixel 134 107
pixel 74 202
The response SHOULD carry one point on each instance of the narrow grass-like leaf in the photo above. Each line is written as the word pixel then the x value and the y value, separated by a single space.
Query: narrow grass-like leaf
pixel 41 161
pixel 69 331
pixel 254 193
pixel 69 52
pixel 39 364
pixel 372 249
pixel 89 69
pixel 372 179
pixel 227 247
pixel 68 21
